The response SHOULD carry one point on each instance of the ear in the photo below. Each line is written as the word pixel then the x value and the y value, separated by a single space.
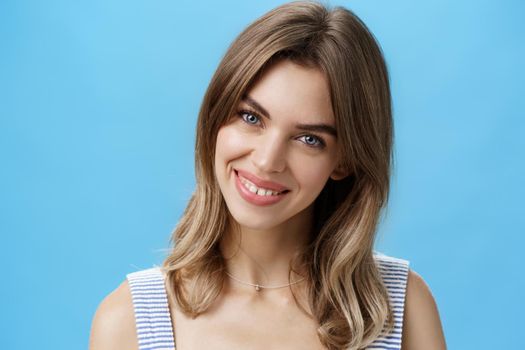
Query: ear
pixel 338 174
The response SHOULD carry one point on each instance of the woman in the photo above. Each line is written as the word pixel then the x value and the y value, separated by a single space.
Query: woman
pixel 275 248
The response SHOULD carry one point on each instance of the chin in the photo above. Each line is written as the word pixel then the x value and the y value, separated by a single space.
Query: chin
pixel 258 223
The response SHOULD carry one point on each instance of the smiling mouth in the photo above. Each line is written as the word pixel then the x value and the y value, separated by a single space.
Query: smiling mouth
pixel 260 191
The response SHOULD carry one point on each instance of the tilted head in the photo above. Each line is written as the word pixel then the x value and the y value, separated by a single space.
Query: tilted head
pixel 338 45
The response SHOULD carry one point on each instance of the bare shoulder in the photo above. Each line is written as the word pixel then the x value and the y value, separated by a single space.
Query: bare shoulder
pixel 421 323
pixel 113 325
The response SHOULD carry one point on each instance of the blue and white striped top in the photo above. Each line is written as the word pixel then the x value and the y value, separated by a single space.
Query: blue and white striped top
pixel 155 330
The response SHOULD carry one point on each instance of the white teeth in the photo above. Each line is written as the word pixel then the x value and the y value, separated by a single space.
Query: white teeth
pixel 254 189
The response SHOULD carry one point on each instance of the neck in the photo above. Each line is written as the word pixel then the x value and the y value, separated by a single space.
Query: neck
pixel 263 257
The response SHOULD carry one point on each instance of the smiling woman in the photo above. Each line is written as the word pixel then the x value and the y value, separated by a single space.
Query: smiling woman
pixel 275 248
pixel 278 152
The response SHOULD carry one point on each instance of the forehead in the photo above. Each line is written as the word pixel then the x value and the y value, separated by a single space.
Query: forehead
pixel 289 90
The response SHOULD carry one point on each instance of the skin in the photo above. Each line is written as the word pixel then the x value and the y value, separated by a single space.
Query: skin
pixel 274 149
pixel 261 243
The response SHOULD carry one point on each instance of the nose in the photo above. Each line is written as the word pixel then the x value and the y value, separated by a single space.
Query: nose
pixel 269 154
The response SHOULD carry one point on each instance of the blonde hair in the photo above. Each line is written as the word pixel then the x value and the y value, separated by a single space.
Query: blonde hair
pixel 345 291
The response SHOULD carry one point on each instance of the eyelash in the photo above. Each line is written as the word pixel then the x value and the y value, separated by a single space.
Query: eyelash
pixel 320 142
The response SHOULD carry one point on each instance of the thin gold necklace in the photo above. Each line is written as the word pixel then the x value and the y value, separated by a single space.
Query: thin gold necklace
pixel 258 287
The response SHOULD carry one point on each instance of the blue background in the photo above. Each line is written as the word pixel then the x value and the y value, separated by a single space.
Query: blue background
pixel 98 104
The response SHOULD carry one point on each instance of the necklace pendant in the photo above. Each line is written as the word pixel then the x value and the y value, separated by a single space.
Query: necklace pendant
pixel 257 288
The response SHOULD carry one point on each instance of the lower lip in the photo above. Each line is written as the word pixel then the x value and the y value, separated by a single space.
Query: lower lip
pixel 253 198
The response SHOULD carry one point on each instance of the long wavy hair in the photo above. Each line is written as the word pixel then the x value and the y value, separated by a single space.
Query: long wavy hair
pixel 345 291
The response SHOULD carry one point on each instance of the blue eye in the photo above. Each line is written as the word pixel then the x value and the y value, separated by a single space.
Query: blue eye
pixel 313 141
pixel 252 118
pixel 249 117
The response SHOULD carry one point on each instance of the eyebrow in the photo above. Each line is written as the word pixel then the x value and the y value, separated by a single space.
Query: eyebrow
pixel 324 128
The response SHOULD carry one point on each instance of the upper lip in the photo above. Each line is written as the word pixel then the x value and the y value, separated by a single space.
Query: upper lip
pixel 270 185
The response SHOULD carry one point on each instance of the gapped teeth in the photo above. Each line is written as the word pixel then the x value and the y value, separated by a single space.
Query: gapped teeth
pixel 259 191
pixel 262 192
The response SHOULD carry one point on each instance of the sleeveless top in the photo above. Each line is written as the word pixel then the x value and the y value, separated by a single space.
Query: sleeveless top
pixel 153 321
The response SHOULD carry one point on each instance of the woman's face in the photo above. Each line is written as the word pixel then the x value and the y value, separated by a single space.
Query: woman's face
pixel 275 155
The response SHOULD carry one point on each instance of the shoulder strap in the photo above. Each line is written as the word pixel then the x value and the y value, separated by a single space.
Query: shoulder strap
pixel 152 314
pixel 394 272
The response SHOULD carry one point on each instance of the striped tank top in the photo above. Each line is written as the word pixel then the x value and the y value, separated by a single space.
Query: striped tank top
pixel 155 330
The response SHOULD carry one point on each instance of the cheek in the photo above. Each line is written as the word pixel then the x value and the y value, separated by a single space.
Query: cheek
pixel 312 176
pixel 230 144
